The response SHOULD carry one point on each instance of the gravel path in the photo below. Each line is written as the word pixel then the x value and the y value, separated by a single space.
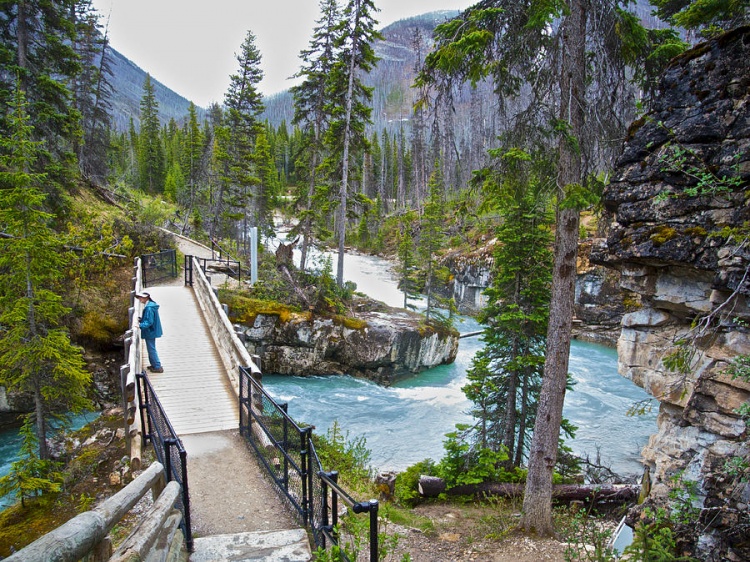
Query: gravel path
pixel 228 490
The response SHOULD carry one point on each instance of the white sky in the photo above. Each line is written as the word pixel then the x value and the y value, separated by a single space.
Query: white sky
pixel 190 45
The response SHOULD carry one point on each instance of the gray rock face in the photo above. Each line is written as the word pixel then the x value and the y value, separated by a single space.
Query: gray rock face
pixel 670 252
pixel 598 305
pixel 389 347
pixel 471 276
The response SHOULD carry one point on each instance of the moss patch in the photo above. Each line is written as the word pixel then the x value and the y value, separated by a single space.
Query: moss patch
pixel 662 234
pixel 244 310
pixel 696 231
pixel 349 322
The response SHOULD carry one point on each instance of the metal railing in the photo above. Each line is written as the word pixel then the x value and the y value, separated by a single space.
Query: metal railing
pixel 167 447
pixel 287 452
pixel 159 266
pixel 233 267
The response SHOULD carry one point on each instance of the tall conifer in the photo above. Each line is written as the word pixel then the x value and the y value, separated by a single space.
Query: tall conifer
pixel 151 157
pixel 505 377
pixel 36 355
pixel 243 103
pixel 311 112
pixel 349 102
pixel 36 48
pixel 568 60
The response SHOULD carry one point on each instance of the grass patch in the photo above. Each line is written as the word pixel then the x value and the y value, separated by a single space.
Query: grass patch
pixel 408 518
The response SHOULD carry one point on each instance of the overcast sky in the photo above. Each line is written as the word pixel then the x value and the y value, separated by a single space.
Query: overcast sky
pixel 190 45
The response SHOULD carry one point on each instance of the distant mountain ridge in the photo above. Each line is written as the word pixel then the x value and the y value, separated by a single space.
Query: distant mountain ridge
pixel 127 91
pixel 391 78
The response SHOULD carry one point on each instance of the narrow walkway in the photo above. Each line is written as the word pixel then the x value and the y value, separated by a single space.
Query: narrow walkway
pixel 236 511
pixel 193 389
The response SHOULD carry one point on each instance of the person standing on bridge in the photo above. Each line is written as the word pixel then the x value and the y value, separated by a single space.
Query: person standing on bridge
pixel 150 326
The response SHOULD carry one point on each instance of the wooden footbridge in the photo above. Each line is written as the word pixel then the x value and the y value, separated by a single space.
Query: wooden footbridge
pixel 236 513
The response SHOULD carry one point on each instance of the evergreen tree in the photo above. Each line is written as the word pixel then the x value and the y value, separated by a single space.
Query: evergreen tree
pixel 348 102
pixel 707 16
pixel 36 355
pixel 432 239
pixel 407 260
pixel 311 112
pixel 36 48
pixel 151 157
pixel 30 475
pixel 243 103
pixel 92 92
pixel 505 377
pixel 418 136
pixel 569 61
pixel 268 185
pixel 193 163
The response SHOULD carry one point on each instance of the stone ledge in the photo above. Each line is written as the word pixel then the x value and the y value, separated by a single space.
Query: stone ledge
pixel 264 546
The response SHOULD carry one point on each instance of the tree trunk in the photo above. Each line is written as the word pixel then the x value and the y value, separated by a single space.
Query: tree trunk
pixel 537 504
pixel 432 486
pixel 345 158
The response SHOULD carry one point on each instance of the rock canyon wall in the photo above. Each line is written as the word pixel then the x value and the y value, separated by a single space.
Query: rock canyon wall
pixel 679 241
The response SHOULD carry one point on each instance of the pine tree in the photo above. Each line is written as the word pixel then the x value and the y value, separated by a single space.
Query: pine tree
pixel 243 103
pixel 268 185
pixel 348 101
pixel 151 157
pixel 708 16
pixel 568 60
pixel 311 112
pixel 193 163
pixel 30 476
pixel 36 354
pixel 505 377
pixel 36 48
pixel 407 260
pixel 92 92
pixel 432 239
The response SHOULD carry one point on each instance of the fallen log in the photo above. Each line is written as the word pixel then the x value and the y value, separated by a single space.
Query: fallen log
pixel 431 486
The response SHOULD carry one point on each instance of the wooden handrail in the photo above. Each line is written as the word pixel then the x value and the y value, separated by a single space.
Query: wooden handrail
pixel 83 534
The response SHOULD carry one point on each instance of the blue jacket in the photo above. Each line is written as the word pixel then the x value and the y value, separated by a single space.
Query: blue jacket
pixel 150 323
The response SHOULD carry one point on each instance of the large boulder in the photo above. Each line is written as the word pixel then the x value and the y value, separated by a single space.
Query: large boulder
pixel 380 346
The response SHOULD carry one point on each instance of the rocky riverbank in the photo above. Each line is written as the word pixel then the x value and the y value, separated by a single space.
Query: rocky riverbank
pixel 382 345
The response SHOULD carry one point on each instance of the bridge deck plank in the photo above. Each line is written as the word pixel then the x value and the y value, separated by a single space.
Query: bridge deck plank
pixel 194 388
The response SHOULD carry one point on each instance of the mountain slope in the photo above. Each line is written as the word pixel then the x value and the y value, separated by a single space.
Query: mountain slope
pixel 127 90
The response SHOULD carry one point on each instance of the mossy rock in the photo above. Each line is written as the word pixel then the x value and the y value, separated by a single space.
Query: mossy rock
pixel 244 310
pixel 663 234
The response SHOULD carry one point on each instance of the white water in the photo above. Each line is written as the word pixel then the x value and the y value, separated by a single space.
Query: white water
pixel 407 422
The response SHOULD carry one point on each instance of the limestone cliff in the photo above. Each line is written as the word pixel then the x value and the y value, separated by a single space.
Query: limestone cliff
pixel 380 346
pixel 686 279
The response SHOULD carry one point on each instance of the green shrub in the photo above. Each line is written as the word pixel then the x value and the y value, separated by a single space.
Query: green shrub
pixel 406 490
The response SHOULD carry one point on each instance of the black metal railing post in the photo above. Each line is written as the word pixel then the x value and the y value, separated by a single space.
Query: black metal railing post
pixel 306 475
pixel 168 444
pixel 371 507
pixel 325 510
pixel 186 501
pixel 374 546
pixel 334 475
pixel 285 442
